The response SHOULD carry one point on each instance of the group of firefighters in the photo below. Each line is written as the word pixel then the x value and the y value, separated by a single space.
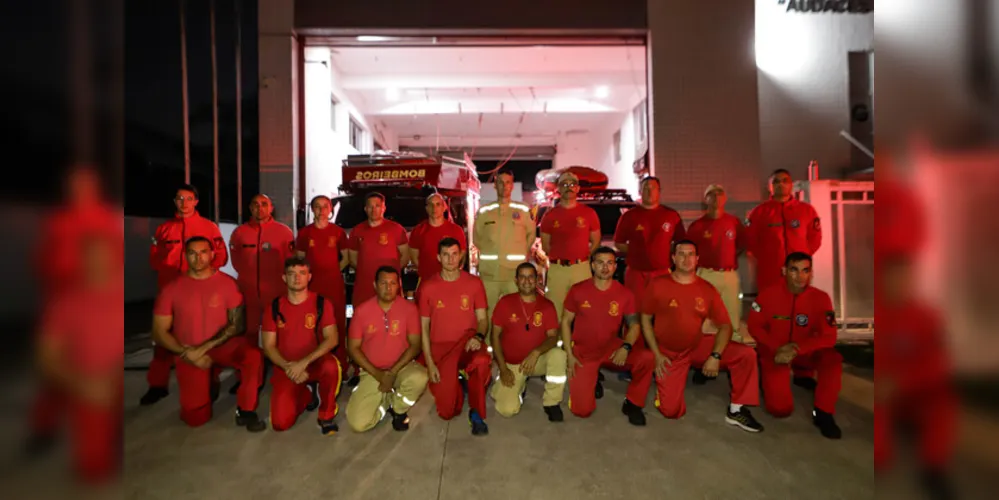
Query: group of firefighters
pixel 287 309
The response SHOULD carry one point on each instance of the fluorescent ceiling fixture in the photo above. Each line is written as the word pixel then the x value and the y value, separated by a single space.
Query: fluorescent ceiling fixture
pixel 392 94
pixel 373 38
pixel 602 92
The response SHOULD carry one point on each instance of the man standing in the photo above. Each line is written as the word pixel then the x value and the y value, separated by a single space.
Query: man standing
pixel 259 249
pixel 598 306
pixel 795 325
pixel 453 317
pixel 504 233
pixel 427 234
pixel 779 227
pixel 166 257
pixel 324 245
pixel 525 339
pixel 645 234
pixel 678 304
pixel 199 317
pixel 385 336
pixel 374 243
pixel 569 232
pixel 720 237
pixel 298 338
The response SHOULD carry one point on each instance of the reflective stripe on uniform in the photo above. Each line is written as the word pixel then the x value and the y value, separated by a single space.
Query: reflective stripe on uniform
pixel 556 379
pixel 488 257
pixel 516 257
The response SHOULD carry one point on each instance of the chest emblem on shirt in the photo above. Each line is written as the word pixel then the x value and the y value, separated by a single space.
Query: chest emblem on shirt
pixel 465 302
pixel 514 318
pixel 440 304
pixel 383 238
pixel 667 226
pixel 310 320
pixel 371 328
pixel 516 216
pixel 395 328
pixel 801 319
pixel 614 309
pixel 795 223
pixel 707 234
pixel 585 304
pixel 331 242
pixel 730 234
pixel 556 225
pixel 640 228
pixel 266 247
pixel 699 305
pixel 215 301
pixel 312 242
pixel 672 303
pixel 538 317
pixel 580 222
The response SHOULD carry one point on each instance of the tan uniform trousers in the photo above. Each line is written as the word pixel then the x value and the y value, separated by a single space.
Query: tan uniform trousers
pixel 727 284
pixel 367 405
pixel 550 364
pixel 561 279
pixel 495 290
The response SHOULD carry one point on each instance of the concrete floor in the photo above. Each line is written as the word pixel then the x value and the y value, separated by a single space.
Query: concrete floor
pixel 526 457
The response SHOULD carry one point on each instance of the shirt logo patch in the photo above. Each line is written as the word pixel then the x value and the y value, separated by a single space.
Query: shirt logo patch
pixel 395 328
pixel 816 224
pixel 831 319
pixel 331 242
pixel 707 234
pixel 730 234
pixel 699 305
pixel 795 223
pixel 614 309
pixel 312 243
pixel 383 238
pixel 215 301
pixel 538 317
pixel 556 225
pixel 672 303
pixel 585 304
pixel 667 226
pixel 371 328
pixel 310 320
pixel 640 228
pixel 465 302
pixel 801 320
pixel 266 247
pixel 440 304
pixel 580 222
pixel 516 216
pixel 514 318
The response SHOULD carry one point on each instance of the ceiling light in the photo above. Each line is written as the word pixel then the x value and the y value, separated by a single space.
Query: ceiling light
pixel 373 38
pixel 602 92
pixel 392 94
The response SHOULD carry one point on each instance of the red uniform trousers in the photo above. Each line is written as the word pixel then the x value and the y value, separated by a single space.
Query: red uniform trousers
pixel 638 282
pixel 450 357
pixel 288 399
pixel 97 440
pixel 777 380
pixel 195 383
pixel 739 360
pixel 933 411
pixel 640 363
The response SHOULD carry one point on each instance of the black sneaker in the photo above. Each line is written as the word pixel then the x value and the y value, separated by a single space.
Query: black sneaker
pixel 598 392
pixel 554 413
pixel 635 414
pixel 699 378
pixel 600 376
pixel 479 427
pixel 353 381
pixel 744 420
pixel 328 427
pixel 250 420
pixel 805 382
pixel 153 396
pixel 316 399
pixel 400 421
pixel 826 424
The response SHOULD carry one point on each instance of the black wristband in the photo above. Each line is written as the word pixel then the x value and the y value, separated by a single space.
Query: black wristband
pixel 480 336
pixel 716 355
pixel 626 346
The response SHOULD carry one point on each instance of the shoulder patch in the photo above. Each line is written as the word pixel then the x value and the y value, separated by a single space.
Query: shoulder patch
pixel 756 306
pixel 816 223
pixel 831 319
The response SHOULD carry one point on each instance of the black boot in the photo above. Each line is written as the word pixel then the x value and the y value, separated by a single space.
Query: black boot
pixel 635 414
pixel 826 424
pixel 153 395
pixel 805 382
pixel 250 420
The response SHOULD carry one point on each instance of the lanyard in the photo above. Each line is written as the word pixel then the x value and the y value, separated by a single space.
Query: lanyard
pixel 527 320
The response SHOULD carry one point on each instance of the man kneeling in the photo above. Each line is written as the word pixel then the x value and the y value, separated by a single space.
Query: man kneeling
pixel 384 339
pixel 525 341
pixel 298 338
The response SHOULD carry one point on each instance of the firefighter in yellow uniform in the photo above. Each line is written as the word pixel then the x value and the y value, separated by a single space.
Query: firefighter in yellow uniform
pixel 504 233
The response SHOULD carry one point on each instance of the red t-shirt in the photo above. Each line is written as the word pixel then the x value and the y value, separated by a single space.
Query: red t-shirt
pixel 296 333
pixel 599 314
pixel 199 307
pixel 322 249
pixel 89 325
pixel 680 311
pixel 384 335
pixel 451 306
pixel 649 232
pixel 525 325
pixel 570 230
pixel 718 241
pixel 375 247
pixel 425 239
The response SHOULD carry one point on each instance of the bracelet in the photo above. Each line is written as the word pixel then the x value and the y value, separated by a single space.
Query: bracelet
pixel 480 336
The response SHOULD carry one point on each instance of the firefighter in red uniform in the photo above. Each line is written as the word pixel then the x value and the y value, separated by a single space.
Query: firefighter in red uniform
pixel 778 227
pixel 645 234
pixel 298 335
pixel 324 245
pixel 794 324
pixel 166 257
pixel 374 243
pixel 427 234
pixel 200 318
pixel 678 304
pixel 598 306
pixel 453 316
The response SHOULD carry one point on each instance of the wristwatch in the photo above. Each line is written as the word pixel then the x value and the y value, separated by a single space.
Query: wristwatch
pixel 626 346
pixel 716 355
pixel 480 336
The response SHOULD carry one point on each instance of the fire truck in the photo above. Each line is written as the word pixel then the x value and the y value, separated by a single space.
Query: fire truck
pixel 406 179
